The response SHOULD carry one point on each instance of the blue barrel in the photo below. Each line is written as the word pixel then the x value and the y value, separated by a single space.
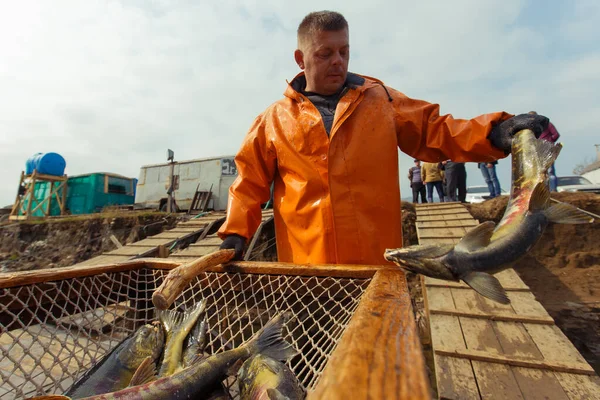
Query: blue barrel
pixel 46 163
pixel 30 164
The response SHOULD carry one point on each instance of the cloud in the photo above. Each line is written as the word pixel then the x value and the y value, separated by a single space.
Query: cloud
pixel 111 85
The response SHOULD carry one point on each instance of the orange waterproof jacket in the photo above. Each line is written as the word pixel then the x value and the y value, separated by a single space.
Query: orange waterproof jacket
pixel 337 198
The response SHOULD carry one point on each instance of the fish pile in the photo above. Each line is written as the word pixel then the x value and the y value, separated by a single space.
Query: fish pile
pixel 490 248
pixel 166 359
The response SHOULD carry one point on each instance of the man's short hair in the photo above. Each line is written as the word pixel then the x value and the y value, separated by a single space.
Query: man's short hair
pixel 320 21
pixel 417 160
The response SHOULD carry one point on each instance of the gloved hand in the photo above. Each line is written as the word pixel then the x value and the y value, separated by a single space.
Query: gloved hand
pixel 235 242
pixel 501 134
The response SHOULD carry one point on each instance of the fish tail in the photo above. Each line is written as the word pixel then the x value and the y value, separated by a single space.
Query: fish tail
pixel 269 342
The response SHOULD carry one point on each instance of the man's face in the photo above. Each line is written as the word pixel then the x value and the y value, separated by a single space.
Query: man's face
pixel 417 163
pixel 324 60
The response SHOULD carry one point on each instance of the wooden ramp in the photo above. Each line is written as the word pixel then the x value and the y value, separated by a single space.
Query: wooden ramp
pixel 486 350
pixel 149 246
pixel 207 244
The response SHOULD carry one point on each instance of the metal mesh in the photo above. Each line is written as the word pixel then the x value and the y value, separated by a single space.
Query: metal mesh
pixel 51 333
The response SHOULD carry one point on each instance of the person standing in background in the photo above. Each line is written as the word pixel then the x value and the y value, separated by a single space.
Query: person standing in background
pixel 550 134
pixel 432 176
pixel 416 183
pixel 456 179
pixel 488 170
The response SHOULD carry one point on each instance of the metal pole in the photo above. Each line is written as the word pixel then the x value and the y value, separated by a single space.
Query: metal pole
pixel 171 189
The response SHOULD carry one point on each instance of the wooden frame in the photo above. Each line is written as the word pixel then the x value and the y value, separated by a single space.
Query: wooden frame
pixel 29 181
pixel 379 354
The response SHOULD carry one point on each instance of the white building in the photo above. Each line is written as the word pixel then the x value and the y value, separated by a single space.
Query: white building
pixel 208 174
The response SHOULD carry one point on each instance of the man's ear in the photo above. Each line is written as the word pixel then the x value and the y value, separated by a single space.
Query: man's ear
pixel 299 57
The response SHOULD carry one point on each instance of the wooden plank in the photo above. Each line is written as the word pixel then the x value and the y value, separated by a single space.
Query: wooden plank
pixel 115 241
pixel 510 278
pixel 496 317
pixel 524 303
pixel 554 345
pixel 21 278
pixel 196 251
pixel 454 232
pixel 538 384
pixel 442 224
pixel 103 260
pixel 455 217
pixel 440 299
pixel 492 380
pixel 172 235
pixel 507 278
pixel 515 340
pixel 579 386
pixel 486 356
pixel 129 251
pixel 455 377
pixel 379 355
pixel 432 282
pixel 150 242
pixel 496 381
pixel 208 241
pixel 444 213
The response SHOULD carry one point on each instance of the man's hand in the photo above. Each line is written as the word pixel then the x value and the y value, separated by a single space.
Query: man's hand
pixel 501 134
pixel 235 242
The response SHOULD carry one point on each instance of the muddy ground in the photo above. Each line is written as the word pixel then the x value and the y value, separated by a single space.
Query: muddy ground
pixel 62 242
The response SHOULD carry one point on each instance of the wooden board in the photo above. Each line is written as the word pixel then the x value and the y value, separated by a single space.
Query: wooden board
pixel 379 355
pixel 150 242
pixel 130 250
pixel 208 241
pixel 442 224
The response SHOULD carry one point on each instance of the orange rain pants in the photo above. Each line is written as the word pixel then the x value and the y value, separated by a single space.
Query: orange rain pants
pixel 337 198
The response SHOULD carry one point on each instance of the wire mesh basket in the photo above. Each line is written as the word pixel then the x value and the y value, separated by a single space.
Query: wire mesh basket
pixel 53 330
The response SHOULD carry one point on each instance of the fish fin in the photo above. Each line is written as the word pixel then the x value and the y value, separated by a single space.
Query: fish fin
pixel 423 251
pixel 190 318
pixel 476 238
pixel 169 319
pixel 539 198
pixel 275 394
pixel 201 334
pixel 268 341
pixel 563 213
pixel 486 285
pixel 145 373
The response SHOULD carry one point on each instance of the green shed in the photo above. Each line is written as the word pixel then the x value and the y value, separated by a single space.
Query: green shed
pixel 90 193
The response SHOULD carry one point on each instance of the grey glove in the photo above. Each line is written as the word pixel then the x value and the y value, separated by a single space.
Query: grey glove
pixel 235 242
pixel 501 134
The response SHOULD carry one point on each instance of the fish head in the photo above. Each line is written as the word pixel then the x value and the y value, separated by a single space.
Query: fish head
pixel 148 341
pixel 423 259
pixel 258 374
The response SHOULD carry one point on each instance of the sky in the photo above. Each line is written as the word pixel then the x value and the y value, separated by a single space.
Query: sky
pixel 111 85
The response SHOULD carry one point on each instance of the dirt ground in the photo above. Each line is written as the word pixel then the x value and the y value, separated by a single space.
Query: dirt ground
pixel 62 242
